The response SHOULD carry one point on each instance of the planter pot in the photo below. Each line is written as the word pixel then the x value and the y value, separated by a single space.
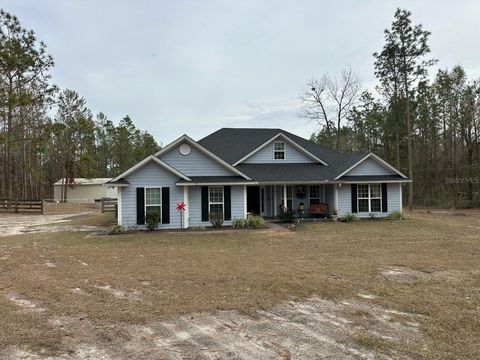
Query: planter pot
pixel 335 217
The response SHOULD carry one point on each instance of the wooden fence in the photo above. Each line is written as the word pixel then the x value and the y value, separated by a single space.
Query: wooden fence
pixel 21 206
pixel 109 205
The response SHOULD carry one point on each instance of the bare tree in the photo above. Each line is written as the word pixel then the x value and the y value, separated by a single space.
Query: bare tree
pixel 328 101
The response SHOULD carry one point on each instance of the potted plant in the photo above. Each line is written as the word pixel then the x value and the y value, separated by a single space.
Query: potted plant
pixel 334 215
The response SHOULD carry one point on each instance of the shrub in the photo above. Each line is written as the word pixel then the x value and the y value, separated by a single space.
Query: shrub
pixel 397 215
pixel 115 229
pixel 255 222
pixel 216 219
pixel 349 217
pixel 239 223
pixel 287 216
pixel 152 219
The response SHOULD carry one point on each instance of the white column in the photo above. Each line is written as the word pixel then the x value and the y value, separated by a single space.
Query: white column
pixel 284 197
pixel 119 205
pixel 244 201
pixel 186 213
pixel 335 200
pixel 274 198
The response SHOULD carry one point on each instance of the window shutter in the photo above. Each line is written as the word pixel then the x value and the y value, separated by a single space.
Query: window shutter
pixel 140 206
pixel 165 205
pixel 227 201
pixel 354 197
pixel 384 198
pixel 205 216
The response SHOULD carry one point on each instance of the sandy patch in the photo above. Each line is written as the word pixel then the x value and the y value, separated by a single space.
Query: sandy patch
pixel 311 329
pixel 24 303
pixel 120 293
pixel 30 224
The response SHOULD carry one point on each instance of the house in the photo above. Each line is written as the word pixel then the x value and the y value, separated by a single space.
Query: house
pixel 82 190
pixel 235 172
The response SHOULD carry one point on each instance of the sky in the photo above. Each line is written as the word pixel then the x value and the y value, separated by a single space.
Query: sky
pixel 192 67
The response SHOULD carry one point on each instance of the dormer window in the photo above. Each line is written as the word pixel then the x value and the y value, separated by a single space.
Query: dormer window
pixel 279 150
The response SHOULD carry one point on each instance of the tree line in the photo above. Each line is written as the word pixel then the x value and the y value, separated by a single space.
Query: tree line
pixel 428 127
pixel 47 133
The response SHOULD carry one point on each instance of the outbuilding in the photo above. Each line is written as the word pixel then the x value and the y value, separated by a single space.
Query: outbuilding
pixel 83 190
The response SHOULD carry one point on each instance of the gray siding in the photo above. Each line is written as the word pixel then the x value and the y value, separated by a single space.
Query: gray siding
pixel 150 175
pixel 265 155
pixel 194 164
pixel 345 200
pixel 369 167
pixel 195 196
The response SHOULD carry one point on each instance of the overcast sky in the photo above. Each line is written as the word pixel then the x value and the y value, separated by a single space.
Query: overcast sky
pixel 193 66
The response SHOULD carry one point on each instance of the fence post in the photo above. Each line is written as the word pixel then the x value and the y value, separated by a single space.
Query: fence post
pixel 103 205
pixel 43 206
pixel 16 207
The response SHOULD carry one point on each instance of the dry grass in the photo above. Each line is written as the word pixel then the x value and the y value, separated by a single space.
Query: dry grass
pixel 428 265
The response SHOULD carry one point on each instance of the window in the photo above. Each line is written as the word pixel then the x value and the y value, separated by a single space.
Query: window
pixel 314 194
pixel 215 200
pixel 153 201
pixel 369 198
pixel 279 150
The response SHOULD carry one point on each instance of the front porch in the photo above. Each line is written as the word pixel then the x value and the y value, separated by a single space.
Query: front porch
pixel 270 200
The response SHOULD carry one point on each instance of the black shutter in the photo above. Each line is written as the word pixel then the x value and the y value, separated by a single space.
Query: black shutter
pixel 140 206
pixel 205 216
pixel 227 200
pixel 354 198
pixel 165 205
pixel 384 198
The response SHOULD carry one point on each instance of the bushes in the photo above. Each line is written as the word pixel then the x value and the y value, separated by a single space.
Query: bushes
pixel 152 219
pixel 397 215
pixel 252 222
pixel 115 229
pixel 287 216
pixel 216 219
pixel 348 217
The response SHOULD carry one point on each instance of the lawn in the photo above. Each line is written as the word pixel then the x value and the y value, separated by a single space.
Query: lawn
pixel 61 291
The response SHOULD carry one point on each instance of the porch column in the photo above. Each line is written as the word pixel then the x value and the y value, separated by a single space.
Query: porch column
pixel 274 199
pixel 323 193
pixel 335 197
pixel 284 197
pixel 186 213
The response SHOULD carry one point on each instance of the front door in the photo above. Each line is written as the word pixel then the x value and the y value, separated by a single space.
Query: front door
pixel 253 200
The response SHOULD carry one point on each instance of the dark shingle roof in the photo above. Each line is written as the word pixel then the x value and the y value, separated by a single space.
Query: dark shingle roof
pixel 232 144
pixel 374 178
pixel 287 172
pixel 214 179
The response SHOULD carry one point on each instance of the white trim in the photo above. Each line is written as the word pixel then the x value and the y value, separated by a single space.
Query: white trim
pixel 216 184
pixel 245 201
pixel 335 198
pixel 284 150
pixel 119 207
pixel 145 161
pixel 186 213
pixel 373 181
pixel 217 203
pixel 145 202
pixel 285 137
pixel 369 199
pixel 378 159
pixel 211 155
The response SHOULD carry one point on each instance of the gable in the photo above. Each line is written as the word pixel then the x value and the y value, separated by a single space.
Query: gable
pixel 265 155
pixel 195 163
pixel 369 167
